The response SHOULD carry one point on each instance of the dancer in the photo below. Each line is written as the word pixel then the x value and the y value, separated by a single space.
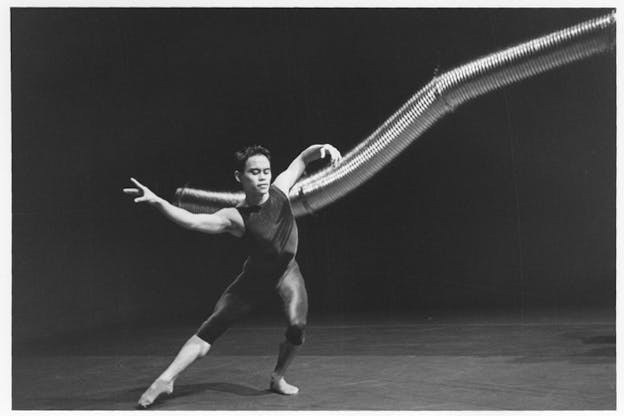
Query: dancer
pixel 266 223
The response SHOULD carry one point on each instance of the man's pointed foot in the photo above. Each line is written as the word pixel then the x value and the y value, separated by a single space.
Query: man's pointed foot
pixel 157 388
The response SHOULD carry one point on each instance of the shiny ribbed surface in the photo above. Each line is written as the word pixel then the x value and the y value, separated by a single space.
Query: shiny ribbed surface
pixel 202 201
pixel 439 97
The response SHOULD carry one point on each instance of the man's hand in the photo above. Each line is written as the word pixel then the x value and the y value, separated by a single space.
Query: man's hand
pixel 334 154
pixel 142 192
pixel 287 179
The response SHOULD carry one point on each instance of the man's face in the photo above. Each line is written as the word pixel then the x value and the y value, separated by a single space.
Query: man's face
pixel 256 178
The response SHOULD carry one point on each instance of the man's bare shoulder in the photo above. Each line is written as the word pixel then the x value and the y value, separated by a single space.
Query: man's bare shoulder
pixel 237 226
pixel 282 186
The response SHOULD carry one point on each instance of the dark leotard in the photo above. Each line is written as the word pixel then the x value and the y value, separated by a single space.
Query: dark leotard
pixel 271 235
pixel 271 238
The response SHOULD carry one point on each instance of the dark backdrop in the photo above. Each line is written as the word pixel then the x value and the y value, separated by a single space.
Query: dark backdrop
pixel 508 202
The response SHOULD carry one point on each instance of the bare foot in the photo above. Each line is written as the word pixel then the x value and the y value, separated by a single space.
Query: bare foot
pixel 157 388
pixel 279 385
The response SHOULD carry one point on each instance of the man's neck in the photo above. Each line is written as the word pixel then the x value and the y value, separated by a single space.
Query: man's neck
pixel 256 199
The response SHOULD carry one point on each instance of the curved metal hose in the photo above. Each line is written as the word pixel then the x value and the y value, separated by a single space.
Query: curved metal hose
pixel 202 201
pixel 436 99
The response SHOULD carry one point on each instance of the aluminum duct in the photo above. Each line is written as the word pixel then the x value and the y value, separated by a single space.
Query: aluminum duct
pixel 439 97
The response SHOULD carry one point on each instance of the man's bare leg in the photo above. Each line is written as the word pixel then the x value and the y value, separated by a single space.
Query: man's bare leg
pixel 287 352
pixel 192 350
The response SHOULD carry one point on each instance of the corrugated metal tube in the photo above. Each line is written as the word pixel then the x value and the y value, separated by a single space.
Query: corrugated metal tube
pixel 436 99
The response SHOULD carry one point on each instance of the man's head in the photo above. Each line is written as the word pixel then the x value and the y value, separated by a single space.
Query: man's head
pixel 253 169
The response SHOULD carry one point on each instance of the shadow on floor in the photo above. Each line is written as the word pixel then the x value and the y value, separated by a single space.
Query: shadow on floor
pixel 601 339
pixel 599 354
pixel 237 389
pixel 127 399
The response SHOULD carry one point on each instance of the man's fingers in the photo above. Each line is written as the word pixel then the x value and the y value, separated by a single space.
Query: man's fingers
pixel 332 152
pixel 134 191
pixel 335 154
pixel 331 149
pixel 137 183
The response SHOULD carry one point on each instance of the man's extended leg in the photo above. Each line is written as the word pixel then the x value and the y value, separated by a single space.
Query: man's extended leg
pixel 293 293
pixel 228 309
pixel 193 349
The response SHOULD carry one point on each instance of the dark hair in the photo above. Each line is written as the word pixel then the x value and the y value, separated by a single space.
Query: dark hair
pixel 242 155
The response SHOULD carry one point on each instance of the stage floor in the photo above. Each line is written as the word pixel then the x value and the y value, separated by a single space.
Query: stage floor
pixel 551 360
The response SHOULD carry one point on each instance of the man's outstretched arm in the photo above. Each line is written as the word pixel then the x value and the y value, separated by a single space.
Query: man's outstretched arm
pixel 220 222
pixel 291 175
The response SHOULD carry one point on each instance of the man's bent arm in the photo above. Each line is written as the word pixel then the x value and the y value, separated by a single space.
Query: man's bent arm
pixel 291 175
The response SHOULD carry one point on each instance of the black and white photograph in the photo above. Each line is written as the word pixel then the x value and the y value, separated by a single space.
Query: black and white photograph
pixel 288 208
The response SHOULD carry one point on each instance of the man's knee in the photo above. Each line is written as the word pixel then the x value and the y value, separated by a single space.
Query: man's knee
pixel 207 333
pixel 295 334
pixel 203 345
